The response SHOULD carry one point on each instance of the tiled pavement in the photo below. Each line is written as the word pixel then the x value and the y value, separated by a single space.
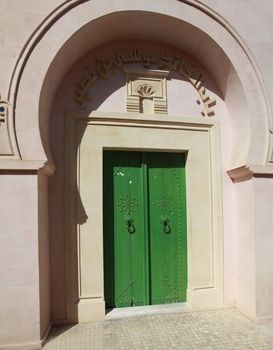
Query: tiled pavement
pixel 220 329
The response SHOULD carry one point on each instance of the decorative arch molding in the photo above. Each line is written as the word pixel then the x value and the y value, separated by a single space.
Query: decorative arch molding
pixel 42 56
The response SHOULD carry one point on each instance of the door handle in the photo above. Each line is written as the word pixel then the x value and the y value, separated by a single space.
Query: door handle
pixel 165 224
pixel 130 224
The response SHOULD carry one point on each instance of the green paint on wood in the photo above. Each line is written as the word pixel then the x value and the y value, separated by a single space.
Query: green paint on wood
pixel 167 210
pixel 145 239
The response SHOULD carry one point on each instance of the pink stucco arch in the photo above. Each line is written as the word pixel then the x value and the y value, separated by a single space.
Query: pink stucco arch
pixel 77 27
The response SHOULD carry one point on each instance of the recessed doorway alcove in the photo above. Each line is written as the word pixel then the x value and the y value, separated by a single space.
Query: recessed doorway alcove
pixel 104 112
pixel 89 137
pixel 91 115
pixel 76 294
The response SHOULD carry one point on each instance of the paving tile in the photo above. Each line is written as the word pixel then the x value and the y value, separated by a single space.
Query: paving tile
pixel 214 330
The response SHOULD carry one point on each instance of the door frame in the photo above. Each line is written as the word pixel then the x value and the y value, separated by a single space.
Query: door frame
pixel 86 138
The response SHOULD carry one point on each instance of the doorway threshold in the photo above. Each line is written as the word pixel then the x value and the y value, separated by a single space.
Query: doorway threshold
pixel 149 310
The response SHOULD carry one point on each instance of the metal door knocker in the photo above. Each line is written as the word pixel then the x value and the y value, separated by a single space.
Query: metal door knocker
pixel 165 223
pixel 131 227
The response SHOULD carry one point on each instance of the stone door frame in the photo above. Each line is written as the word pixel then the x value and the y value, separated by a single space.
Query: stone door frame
pixel 86 138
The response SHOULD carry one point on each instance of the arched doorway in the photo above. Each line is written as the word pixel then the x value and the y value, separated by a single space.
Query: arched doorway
pixel 178 121
pixel 208 45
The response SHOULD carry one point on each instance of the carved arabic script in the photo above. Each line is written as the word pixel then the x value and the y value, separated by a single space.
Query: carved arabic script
pixel 177 63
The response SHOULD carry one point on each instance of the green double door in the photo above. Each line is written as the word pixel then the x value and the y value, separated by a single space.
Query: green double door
pixel 145 239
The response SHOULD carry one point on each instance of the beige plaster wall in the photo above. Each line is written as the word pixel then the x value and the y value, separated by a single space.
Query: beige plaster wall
pixel 44 254
pixel 246 17
pixel 24 252
pixel 245 260
pixel 19 268
pixel 18 21
pixel 229 225
pixel 253 248
pixel 263 190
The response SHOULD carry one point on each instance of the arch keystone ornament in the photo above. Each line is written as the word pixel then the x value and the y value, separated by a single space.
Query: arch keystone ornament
pixel 146 90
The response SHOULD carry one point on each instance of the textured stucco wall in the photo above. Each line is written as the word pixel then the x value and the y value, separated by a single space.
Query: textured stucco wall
pixel 19 268
pixel 18 21
pixel 253 22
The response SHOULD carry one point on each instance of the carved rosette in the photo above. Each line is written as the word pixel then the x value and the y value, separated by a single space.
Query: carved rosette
pixel 145 91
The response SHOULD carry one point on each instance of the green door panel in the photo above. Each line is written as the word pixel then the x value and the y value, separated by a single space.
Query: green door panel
pixel 144 206
pixel 124 229
pixel 168 249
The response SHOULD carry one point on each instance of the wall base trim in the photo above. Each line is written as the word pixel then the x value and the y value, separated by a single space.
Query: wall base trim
pixel 91 310
pixel 22 346
pixel 29 345
pixel 43 340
